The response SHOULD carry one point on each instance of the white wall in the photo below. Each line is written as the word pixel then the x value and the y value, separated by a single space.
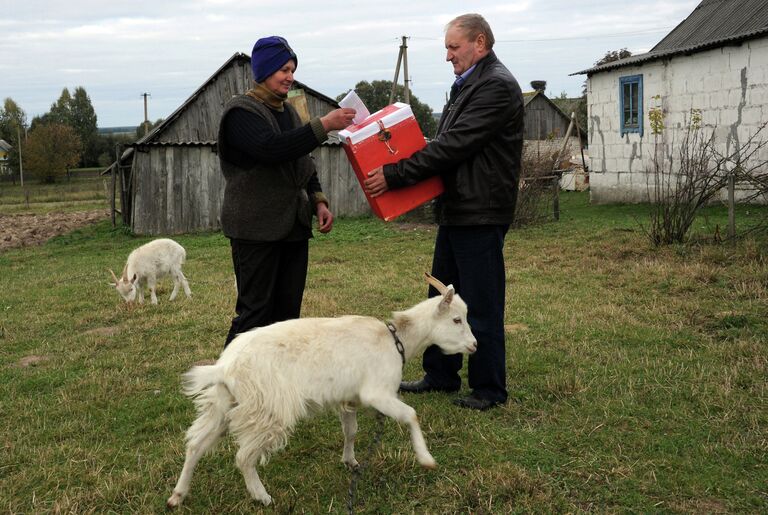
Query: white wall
pixel 729 85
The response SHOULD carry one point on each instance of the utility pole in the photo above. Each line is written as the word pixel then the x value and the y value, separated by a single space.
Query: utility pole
pixel 21 166
pixel 406 77
pixel 402 58
pixel 146 119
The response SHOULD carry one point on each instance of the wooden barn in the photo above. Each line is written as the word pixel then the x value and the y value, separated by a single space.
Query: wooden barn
pixel 546 126
pixel 543 119
pixel 171 182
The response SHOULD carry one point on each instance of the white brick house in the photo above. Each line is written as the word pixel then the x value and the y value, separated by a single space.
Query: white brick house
pixel 715 61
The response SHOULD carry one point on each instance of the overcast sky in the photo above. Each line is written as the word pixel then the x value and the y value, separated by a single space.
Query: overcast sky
pixel 168 48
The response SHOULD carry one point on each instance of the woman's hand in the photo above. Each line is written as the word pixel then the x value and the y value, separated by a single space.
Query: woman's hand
pixel 338 119
pixel 324 218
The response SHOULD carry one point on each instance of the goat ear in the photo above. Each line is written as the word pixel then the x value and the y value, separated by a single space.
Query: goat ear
pixel 447 299
pixel 133 279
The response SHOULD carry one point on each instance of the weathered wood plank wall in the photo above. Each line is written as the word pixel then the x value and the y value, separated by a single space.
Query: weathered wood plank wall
pixel 179 189
pixel 178 186
pixel 339 182
pixel 542 120
pixel 200 121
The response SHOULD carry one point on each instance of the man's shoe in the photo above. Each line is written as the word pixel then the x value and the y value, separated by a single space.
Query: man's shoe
pixel 423 386
pixel 472 402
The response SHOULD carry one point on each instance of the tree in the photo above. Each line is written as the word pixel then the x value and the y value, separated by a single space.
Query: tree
pixel 83 120
pixel 51 150
pixel 61 110
pixel 13 123
pixel 375 95
pixel 11 117
pixel 613 55
pixel 39 120
pixel 145 128
pixel 76 112
pixel 106 144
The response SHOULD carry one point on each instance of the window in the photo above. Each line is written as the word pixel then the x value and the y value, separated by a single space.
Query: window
pixel 631 104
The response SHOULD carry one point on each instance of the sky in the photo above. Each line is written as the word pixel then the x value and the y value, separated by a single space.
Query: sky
pixel 118 51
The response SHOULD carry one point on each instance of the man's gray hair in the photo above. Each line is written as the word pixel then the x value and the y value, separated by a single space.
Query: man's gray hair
pixel 473 25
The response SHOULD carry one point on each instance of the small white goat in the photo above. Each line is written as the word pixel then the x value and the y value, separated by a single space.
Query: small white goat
pixel 271 377
pixel 146 265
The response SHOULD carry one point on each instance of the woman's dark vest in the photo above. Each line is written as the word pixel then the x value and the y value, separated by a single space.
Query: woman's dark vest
pixel 263 202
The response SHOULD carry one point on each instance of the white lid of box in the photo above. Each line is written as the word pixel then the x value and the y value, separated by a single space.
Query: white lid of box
pixel 370 126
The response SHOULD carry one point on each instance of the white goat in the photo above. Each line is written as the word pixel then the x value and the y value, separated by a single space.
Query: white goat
pixel 149 263
pixel 269 378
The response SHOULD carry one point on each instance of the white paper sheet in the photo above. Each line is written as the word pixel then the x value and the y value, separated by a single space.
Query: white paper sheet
pixel 355 102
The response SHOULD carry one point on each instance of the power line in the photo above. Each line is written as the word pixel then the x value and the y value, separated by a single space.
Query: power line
pixel 595 36
pixel 544 40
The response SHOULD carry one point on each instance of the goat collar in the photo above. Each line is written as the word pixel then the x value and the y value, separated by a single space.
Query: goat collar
pixel 398 343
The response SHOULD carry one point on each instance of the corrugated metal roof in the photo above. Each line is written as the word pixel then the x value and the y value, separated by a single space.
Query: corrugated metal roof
pixel 332 140
pixel 174 144
pixel 716 20
pixel 714 23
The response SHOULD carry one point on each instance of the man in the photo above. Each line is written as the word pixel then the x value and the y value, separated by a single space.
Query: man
pixel 477 152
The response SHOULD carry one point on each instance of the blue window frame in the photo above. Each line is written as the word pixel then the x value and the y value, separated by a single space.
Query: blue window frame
pixel 631 104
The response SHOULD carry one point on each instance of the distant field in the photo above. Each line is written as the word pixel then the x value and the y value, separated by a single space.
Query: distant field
pixel 84 190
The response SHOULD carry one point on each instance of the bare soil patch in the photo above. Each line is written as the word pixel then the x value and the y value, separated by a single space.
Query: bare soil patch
pixel 25 230
pixel 32 361
pixel 103 331
pixel 515 328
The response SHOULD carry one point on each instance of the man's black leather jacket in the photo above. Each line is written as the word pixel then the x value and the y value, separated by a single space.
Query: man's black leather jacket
pixel 477 150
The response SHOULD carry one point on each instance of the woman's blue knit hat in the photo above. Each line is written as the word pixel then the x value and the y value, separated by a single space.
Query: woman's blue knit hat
pixel 269 55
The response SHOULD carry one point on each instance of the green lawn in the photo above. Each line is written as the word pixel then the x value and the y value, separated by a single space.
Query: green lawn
pixel 637 377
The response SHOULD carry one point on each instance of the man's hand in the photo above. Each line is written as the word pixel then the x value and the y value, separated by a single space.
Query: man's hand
pixel 338 119
pixel 324 218
pixel 376 183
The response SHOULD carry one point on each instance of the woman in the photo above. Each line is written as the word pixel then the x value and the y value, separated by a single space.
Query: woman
pixel 272 189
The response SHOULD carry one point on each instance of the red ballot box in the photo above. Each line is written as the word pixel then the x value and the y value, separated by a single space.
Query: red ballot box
pixel 388 136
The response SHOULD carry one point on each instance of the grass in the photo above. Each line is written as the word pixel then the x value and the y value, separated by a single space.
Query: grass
pixel 637 377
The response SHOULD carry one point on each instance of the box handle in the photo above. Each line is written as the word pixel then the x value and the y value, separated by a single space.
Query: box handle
pixel 384 136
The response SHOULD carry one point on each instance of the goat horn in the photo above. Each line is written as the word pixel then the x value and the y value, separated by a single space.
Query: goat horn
pixel 440 287
pixel 125 272
pixel 114 277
